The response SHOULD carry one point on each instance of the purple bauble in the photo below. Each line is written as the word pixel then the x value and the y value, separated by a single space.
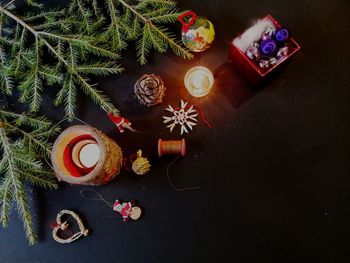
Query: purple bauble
pixel 268 47
pixel 281 35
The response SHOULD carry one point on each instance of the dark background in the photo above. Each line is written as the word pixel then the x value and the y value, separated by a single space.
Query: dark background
pixel 274 171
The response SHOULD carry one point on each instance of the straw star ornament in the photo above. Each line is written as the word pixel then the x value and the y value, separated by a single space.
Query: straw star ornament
pixel 185 117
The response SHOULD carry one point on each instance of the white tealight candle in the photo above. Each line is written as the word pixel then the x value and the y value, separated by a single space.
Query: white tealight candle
pixel 199 81
pixel 89 155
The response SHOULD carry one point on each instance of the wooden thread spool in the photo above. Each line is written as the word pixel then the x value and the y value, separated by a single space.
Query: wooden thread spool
pixel 77 160
pixel 171 147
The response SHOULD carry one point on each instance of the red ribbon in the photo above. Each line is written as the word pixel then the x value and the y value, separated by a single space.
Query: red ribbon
pixel 193 19
pixel 205 121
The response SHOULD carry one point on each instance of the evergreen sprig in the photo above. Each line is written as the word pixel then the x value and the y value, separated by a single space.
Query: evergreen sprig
pixel 142 21
pixel 64 47
pixel 72 59
pixel 23 146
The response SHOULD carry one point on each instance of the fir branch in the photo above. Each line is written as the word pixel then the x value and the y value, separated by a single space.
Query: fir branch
pixel 23 209
pixel 11 171
pixel 32 139
pixel 39 179
pixel 21 163
pixel 152 32
pixel 114 31
pixel 95 94
pixel 26 119
pixel 6 77
pixel 5 200
pixel 100 69
pixel 32 87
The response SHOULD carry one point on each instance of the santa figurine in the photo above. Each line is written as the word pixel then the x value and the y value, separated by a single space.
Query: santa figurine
pixel 120 122
pixel 127 210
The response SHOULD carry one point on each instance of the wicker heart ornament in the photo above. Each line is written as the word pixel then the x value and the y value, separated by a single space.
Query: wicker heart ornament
pixel 61 226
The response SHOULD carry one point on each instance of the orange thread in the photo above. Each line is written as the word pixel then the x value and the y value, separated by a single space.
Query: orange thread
pixel 171 147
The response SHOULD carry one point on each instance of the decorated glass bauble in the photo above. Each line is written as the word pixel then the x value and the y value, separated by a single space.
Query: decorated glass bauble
pixel 197 32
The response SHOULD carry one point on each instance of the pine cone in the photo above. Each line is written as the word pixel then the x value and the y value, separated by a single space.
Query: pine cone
pixel 150 90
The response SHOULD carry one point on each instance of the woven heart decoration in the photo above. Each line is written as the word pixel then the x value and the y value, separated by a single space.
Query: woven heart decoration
pixel 61 226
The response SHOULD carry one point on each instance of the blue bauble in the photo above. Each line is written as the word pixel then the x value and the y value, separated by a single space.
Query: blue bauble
pixel 268 47
pixel 281 35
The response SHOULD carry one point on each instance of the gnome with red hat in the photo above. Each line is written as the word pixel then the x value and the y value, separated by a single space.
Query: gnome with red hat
pixel 120 122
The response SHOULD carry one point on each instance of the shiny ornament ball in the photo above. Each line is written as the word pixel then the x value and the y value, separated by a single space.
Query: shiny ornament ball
pixel 253 53
pixel 268 33
pixel 282 52
pixel 268 47
pixel 254 44
pixel 199 36
pixel 264 63
pixel 281 35
pixel 272 61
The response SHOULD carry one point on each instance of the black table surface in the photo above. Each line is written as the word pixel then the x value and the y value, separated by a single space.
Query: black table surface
pixel 274 171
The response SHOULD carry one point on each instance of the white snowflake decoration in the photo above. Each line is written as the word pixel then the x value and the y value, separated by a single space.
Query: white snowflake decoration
pixel 184 117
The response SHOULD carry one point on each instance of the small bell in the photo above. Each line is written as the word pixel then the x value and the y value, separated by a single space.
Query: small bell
pixel 141 165
pixel 198 33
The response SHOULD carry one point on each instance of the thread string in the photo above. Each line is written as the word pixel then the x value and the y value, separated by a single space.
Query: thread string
pixel 201 113
pixel 98 198
pixel 171 181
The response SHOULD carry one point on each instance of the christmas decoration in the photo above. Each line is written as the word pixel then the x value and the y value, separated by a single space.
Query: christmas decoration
pixel 262 48
pixel 80 41
pixel 172 147
pixel 61 226
pixel 109 161
pixel 198 33
pixel 141 165
pixel 120 122
pixel 127 210
pixel 150 90
pixel 183 117
pixel 23 147
pixel 199 81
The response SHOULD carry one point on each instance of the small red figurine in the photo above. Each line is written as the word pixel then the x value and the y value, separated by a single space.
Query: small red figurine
pixel 127 210
pixel 120 122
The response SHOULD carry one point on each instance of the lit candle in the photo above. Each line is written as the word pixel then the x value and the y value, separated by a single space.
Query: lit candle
pixel 199 81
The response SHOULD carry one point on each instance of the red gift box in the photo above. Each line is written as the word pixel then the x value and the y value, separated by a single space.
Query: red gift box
pixel 240 44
